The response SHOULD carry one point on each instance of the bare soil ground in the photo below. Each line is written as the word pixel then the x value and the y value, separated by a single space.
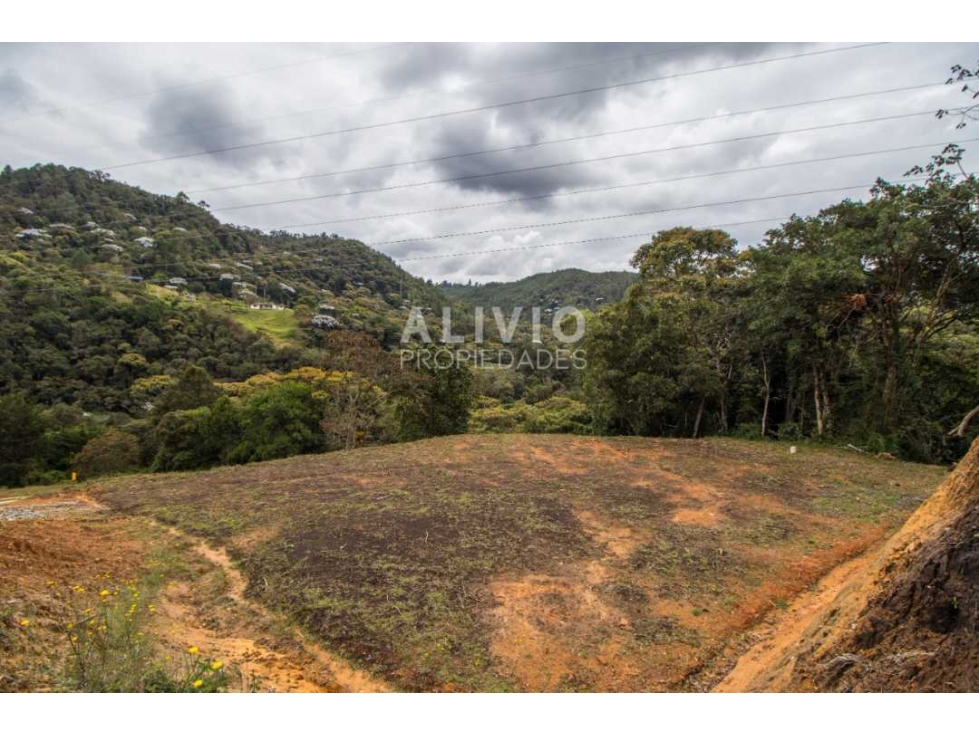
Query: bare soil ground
pixel 516 562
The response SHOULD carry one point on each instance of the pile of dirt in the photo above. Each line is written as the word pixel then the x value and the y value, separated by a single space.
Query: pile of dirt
pixel 907 621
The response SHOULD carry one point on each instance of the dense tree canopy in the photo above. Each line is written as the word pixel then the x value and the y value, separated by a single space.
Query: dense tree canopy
pixel 858 322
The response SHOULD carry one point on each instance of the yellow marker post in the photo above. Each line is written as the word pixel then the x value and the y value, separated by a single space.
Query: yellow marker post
pixel 74 476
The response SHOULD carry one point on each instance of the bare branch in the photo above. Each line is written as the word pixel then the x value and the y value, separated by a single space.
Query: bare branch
pixel 959 430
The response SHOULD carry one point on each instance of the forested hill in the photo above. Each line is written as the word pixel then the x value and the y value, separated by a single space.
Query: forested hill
pixel 84 219
pixel 571 287
pixel 102 283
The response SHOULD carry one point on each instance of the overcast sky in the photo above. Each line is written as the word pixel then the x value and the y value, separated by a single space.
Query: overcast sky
pixel 104 106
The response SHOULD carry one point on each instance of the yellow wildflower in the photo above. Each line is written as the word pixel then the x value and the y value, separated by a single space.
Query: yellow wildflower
pixel 198 683
pixel 193 650
pixel 104 593
pixel 25 623
pixel 217 665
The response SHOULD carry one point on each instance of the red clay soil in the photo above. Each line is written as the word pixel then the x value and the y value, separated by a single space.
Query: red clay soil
pixel 902 619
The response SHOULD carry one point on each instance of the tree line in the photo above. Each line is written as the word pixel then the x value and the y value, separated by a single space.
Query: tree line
pixel 858 323
pixel 357 395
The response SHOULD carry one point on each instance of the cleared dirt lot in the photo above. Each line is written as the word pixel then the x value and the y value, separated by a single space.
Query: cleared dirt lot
pixel 536 562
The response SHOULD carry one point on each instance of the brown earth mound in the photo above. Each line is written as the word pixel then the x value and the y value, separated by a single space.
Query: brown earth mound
pixel 907 621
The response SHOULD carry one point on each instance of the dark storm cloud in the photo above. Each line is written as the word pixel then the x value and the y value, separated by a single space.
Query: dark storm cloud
pixel 595 65
pixel 201 118
pixel 473 134
pixel 421 65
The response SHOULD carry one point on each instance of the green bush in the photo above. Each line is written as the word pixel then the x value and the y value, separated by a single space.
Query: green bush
pixel 179 437
pixel 497 418
pixel 113 452
pixel 747 430
pixel 280 421
pixel 789 431
pixel 559 415
pixel 21 436
pixel 554 415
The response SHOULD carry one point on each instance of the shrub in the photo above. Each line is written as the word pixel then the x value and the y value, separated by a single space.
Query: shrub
pixel 789 431
pixel 179 437
pixel 114 452
pixel 21 434
pixel 110 651
pixel 749 431
pixel 497 418
pixel 559 415
pixel 193 439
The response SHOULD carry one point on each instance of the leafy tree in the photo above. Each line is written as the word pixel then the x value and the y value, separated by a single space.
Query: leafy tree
pixel 193 389
pixel 21 434
pixel 280 421
pixel 434 401
pixel 113 452
pixel 665 355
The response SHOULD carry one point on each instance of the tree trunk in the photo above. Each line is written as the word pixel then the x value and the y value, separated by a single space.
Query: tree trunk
pixel 700 414
pixel 820 425
pixel 827 404
pixel 890 395
pixel 766 378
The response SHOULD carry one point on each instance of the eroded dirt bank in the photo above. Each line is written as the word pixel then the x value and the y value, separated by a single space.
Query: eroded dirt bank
pixel 903 618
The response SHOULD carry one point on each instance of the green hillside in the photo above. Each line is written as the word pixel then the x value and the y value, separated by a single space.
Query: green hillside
pixel 571 287
pixel 76 224
pixel 127 313
pixel 84 261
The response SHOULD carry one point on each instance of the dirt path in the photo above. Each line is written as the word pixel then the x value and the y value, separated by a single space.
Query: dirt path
pixel 294 664
pixel 205 608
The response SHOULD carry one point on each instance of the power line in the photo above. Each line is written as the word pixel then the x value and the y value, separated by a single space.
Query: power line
pixel 589 240
pixel 280 271
pixel 580 161
pixel 546 142
pixel 430 92
pixel 483 108
pixel 568 193
pixel 199 82
pixel 555 141
pixel 539 225
pixel 601 189
pixel 616 187
pixel 608 217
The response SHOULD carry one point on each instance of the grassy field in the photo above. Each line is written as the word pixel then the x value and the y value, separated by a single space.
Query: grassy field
pixel 279 326
pixel 535 562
